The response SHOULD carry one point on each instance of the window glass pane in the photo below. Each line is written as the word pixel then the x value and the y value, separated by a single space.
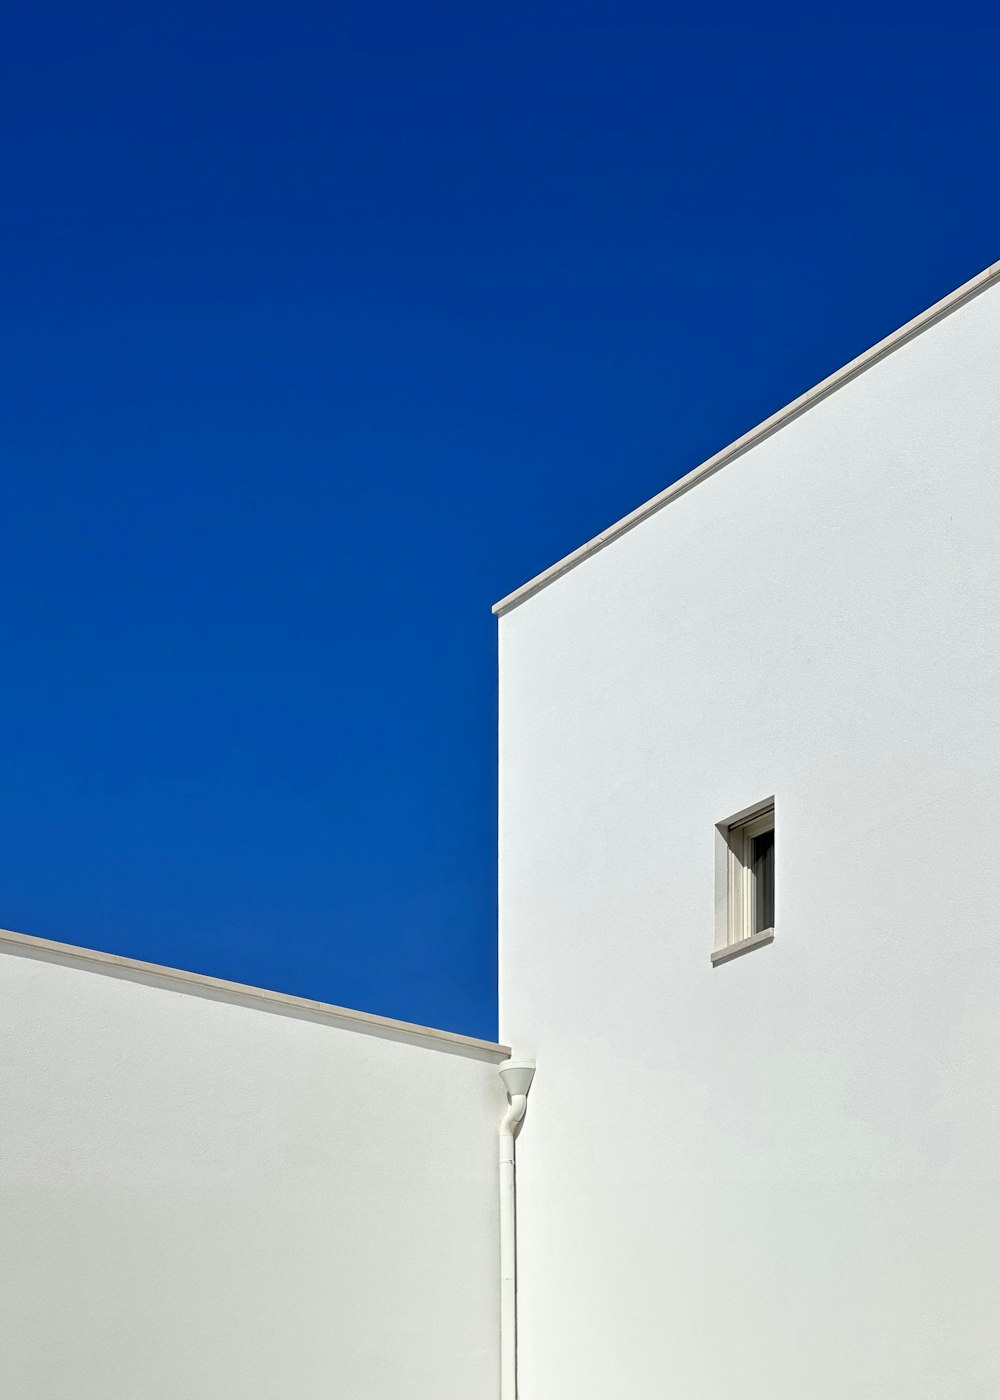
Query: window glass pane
pixel 762 868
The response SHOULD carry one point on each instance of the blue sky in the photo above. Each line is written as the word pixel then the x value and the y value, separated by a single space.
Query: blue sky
pixel 325 326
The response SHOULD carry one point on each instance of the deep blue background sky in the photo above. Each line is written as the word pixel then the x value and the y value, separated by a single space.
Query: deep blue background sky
pixel 323 327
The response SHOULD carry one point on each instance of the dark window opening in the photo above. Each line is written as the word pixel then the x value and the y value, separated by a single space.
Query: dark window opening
pixel 762 870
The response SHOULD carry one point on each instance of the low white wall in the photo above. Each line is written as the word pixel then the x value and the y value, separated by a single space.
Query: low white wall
pixel 778 1178
pixel 204 1199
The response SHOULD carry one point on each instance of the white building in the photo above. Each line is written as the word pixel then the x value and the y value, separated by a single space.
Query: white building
pixel 762 1152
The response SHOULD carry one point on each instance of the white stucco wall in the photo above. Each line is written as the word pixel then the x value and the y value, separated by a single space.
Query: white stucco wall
pixel 207 1200
pixel 777 1178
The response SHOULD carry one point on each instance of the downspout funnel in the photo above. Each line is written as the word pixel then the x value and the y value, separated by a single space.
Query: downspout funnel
pixel 517 1076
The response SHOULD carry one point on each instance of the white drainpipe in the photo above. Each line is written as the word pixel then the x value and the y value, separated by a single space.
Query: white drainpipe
pixel 517 1076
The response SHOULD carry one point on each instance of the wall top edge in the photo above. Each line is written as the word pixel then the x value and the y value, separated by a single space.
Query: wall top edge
pixel 823 390
pixel 282 1003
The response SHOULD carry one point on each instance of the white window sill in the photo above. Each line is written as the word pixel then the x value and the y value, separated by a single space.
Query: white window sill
pixel 745 945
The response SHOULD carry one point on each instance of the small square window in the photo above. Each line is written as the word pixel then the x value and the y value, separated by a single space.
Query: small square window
pixel 745 883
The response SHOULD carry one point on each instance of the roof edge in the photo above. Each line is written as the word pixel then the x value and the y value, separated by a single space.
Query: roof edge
pixel 798 406
pixel 282 1003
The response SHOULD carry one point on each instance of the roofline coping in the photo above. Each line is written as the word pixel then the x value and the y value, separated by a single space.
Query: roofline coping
pixel 798 406
pixel 215 988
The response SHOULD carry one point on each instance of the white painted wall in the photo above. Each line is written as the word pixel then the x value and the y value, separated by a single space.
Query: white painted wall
pixel 205 1200
pixel 777 1178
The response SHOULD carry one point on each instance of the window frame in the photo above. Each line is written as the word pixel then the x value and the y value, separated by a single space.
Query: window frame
pixel 735 884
